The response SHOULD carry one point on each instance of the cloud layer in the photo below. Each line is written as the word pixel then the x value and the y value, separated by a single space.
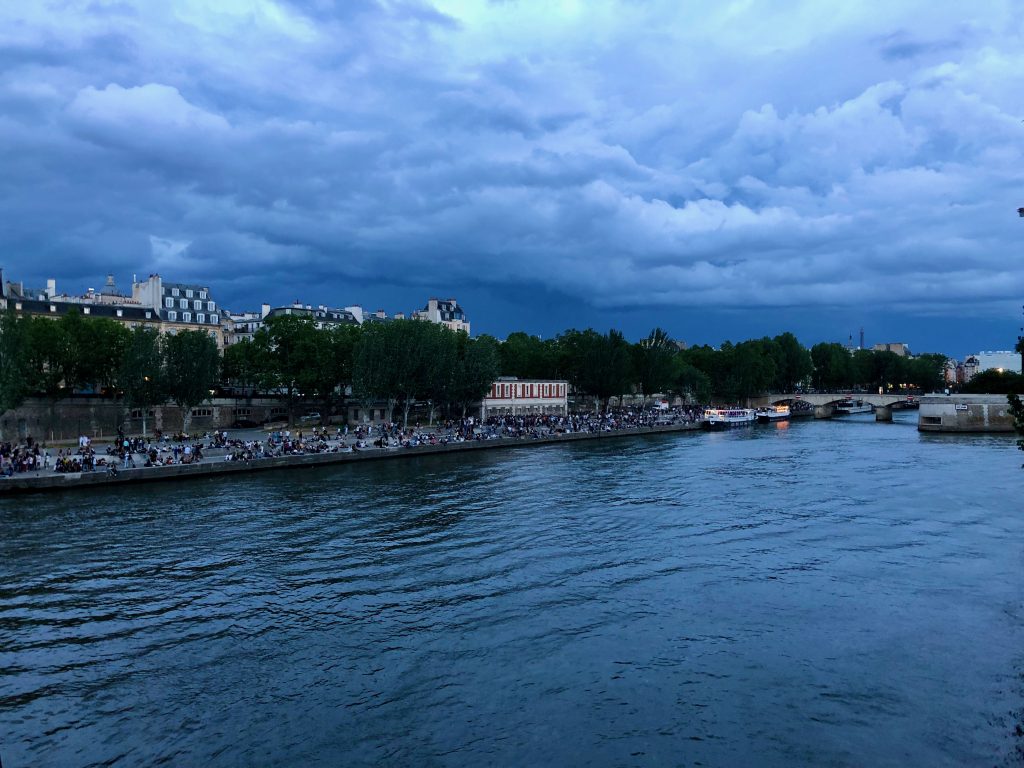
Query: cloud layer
pixel 623 154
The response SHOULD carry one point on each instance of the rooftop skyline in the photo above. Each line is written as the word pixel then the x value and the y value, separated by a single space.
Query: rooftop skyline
pixel 724 173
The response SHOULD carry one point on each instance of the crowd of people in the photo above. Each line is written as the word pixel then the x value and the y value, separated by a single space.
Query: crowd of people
pixel 169 450
pixel 28 456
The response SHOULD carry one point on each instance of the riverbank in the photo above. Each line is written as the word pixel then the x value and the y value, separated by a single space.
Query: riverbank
pixel 965 413
pixel 33 483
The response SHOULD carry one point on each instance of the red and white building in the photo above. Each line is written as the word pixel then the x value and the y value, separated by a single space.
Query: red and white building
pixel 523 397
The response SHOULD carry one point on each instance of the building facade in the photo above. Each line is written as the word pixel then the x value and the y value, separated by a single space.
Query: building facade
pixel 446 312
pixel 526 397
pixel 321 316
pixel 1001 361
pixel 46 302
pixel 896 347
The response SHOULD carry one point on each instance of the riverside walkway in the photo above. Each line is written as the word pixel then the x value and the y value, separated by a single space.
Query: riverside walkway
pixel 215 465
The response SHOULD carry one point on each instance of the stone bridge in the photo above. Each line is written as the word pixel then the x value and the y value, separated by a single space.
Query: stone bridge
pixel 824 403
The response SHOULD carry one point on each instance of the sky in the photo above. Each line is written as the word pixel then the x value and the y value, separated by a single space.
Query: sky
pixel 724 170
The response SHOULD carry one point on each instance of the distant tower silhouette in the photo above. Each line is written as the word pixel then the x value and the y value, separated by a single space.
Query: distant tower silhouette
pixel 861 338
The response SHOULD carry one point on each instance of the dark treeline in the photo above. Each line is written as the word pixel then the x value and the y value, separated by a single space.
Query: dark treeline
pixel 606 365
pixel 53 358
pixel 407 363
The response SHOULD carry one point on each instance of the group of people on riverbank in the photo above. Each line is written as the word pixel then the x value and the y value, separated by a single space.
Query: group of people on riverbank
pixel 27 456
pixel 612 420
pixel 162 451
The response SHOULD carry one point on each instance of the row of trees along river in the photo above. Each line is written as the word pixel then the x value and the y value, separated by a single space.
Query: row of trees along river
pixel 404 362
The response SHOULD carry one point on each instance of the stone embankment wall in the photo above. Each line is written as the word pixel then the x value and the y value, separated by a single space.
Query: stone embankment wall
pixel 30 483
pixel 100 417
pixel 964 413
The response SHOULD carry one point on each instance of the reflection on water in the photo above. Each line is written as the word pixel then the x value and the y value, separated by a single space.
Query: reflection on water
pixel 807 594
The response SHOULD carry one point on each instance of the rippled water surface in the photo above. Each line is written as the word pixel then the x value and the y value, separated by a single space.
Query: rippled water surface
pixel 827 594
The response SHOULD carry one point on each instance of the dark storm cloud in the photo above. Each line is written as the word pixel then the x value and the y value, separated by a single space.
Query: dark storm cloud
pixel 624 155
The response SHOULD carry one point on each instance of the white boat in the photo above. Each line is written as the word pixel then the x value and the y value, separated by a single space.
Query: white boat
pixel 773 413
pixel 849 405
pixel 722 418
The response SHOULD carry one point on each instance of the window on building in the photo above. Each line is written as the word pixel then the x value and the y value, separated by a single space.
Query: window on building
pixel 197 304
pixel 172 316
pixel 243 411
pixel 53 307
pixel 120 313
pixel 186 317
pixel 202 294
pixel 200 318
pixel 183 303
pixel 149 315
pixel 200 412
pixel 210 306
pixel 174 292
pixel 188 292
pixel 168 302
pixel 86 310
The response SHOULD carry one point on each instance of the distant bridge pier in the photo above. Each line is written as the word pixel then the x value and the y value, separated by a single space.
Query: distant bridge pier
pixel 883 413
pixel 823 411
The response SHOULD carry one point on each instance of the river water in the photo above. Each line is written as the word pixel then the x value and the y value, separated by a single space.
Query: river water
pixel 831 593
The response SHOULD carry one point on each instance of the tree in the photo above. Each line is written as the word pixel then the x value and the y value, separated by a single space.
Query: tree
pixel 50 359
pixel 792 362
pixel 108 341
pixel 832 366
pixel 371 372
pixel 653 360
pixel 247 365
pixel 527 357
pixel 141 375
pixel 599 365
pixel 192 365
pixel 693 382
pixel 477 368
pixel 441 367
pixel 292 342
pixel 15 368
pixel 1017 411
pixel 995 383
pixel 926 372
pixel 94 348
pixel 325 359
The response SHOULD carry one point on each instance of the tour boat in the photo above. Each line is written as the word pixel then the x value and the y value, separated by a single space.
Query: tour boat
pixel 773 413
pixel 850 405
pixel 722 418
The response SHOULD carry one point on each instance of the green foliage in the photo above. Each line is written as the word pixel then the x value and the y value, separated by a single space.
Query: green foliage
pixel 247 365
pixel 693 382
pixel 833 367
pixel 995 382
pixel 192 366
pixel 654 362
pixel 793 364
pixel 1017 411
pixel 15 371
pixel 599 365
pixel 528 357
pixel 141 375
pixel 477 367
